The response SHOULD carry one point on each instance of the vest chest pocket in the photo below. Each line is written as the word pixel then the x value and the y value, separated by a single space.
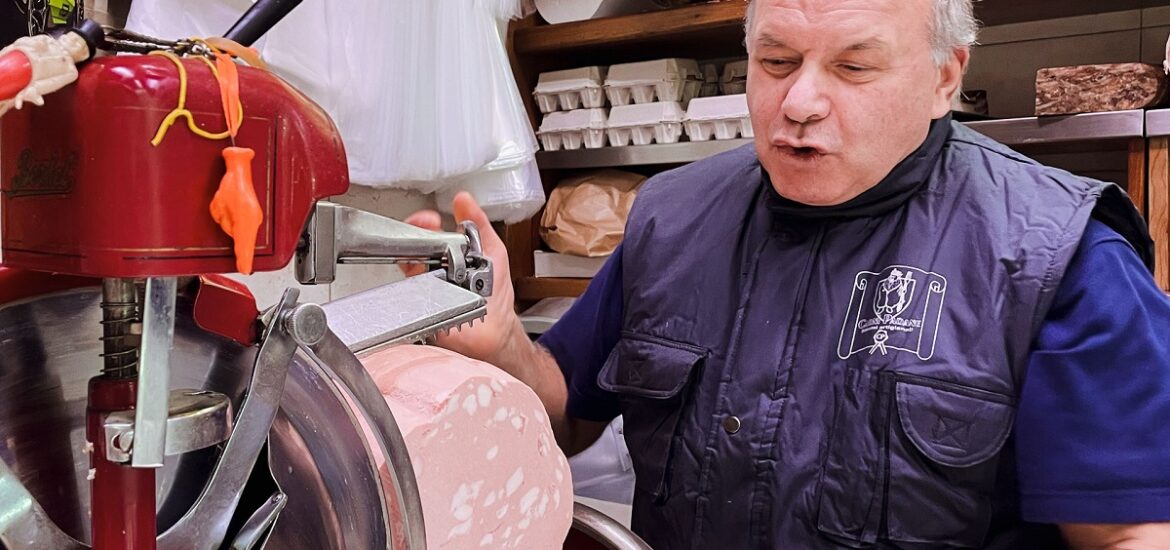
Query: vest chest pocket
pixel 912 460
pixel 652 375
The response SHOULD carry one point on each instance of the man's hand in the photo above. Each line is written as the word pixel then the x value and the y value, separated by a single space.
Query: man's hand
pixel 1140 536
pixel 500 338
pixel 490 339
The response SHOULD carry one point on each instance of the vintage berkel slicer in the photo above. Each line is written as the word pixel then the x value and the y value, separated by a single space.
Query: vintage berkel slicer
pixel 128 366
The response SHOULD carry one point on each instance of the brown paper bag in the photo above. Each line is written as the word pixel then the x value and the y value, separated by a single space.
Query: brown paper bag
pixel 586 215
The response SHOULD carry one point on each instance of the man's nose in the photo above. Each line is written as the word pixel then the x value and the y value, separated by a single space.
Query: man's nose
pixel 806 100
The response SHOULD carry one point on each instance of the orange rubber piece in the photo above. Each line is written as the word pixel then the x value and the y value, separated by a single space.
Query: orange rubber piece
pixel 229 90
pixel 235 207
pixel 231 47
pixel 15 74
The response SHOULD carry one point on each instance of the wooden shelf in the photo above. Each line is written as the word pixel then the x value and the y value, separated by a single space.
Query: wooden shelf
pixel 727 15
pixel 1002 12
pixel 1073 134
pixel 636 155
pixel 531 289
pixel 1158 123
pixel 1063 129
pixel 691 25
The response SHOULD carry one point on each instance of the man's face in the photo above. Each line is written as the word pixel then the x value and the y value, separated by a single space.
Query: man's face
pixel 840 91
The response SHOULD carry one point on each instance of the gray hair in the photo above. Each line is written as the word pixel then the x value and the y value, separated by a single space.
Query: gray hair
pixel 953 26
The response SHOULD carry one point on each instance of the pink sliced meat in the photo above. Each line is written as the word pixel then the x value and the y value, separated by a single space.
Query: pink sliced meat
pixel 483 451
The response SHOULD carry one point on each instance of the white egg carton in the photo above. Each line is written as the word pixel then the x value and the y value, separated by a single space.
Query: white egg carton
pixel 710 81
pixel 721 117
pixel 662 80
pixel 646 123
pixel 553 264
pixel 570 89
pixel 734 79
pixel 572 129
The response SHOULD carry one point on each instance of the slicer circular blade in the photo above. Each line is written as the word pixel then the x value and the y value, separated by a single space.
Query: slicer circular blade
pixel 49 349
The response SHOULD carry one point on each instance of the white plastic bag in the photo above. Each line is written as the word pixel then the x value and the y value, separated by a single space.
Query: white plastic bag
pixel 509 188
pixel 172 19
pixel 422 91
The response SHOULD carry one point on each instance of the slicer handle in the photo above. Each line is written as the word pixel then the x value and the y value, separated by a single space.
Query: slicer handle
pixel 261 17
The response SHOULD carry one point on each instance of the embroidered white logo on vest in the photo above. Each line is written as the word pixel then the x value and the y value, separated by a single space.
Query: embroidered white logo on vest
pixel 907 305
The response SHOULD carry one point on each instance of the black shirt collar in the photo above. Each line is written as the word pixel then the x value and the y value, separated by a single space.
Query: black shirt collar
pixel 906 178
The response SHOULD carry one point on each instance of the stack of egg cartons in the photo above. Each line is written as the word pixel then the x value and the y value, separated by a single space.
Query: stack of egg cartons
pixel 724 116
pixel 573 104
pixel 734 79
pixel 721 117
pixel 710 81
pixel 657 122
pixel 649 101
pixel 659 91
pixel 572 129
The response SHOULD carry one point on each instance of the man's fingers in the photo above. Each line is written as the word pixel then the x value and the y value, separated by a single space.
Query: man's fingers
pixel 410 270
pixel 426 219
pixel 466 209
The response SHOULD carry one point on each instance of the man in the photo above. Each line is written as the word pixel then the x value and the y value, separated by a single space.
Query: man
pixel 874 329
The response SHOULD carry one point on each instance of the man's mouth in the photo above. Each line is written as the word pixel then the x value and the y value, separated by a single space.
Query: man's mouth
pixel 805 153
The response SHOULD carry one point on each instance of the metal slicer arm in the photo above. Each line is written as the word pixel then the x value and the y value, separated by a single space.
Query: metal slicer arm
pixel 337 234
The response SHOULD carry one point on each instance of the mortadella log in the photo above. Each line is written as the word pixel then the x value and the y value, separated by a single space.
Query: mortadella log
pixel 487 464
pixel 1096 88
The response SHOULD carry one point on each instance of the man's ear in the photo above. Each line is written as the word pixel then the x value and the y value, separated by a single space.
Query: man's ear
pixel 950 78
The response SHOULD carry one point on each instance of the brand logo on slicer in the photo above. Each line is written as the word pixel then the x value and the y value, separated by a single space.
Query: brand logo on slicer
pixel 906 305
pixel 53 175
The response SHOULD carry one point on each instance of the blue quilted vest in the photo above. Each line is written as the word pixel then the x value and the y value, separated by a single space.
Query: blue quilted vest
pixel 842 379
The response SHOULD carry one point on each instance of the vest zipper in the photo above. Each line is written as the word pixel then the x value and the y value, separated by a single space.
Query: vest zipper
pixel 761 503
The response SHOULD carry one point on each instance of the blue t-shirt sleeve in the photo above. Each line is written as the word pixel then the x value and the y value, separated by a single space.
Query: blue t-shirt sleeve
pixel 583 339
pixel 1093 427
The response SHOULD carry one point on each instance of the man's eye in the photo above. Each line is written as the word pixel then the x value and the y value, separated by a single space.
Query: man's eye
pixel 854 68
pixel 777 63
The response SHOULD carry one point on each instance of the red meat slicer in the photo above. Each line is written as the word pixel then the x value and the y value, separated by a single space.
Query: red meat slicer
pixel 145 402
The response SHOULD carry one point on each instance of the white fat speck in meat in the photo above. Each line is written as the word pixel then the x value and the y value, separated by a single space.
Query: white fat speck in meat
pixel 515 481
pixel 460 529
pixel 482 451
pixel 542 445
pixel 529 499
